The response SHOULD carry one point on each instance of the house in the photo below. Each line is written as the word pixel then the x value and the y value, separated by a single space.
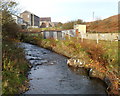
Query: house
pixel 18 20
pixel 56 23
pixel 32 19
pixel 46 22
pixel 81 30
pixel 45 19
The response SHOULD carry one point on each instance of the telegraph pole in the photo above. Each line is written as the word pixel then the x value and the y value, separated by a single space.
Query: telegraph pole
pixel 93 21
pixel 93 15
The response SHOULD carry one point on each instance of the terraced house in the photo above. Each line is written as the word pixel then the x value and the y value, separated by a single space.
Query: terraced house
pixel 20 21
pixel 32 20
pixel 46 22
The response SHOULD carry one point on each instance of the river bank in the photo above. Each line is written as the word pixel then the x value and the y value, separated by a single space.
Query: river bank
pixel 92 57
pixel 14 68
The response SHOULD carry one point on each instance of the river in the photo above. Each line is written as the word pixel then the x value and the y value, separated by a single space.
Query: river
pixel 50 74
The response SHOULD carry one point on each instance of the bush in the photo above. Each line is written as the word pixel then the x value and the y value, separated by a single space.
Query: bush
pixel 70 25
pixel 10 30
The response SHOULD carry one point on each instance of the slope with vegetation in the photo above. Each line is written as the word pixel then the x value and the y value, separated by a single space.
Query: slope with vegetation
pixel 70 24
pixel 110 24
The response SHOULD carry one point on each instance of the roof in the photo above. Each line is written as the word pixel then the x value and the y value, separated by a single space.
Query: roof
pixel 26 11
pixel 30 13
pixel 45 18
pixel 17 16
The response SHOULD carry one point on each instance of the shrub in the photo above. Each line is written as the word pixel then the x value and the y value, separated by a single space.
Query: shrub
pixel 10 30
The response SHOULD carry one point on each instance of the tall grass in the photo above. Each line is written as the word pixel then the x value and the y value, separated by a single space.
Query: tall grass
pixel 14 68
pixel 111 54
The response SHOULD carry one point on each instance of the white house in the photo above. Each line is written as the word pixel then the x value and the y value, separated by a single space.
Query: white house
pixel 18 19
pixel 81 29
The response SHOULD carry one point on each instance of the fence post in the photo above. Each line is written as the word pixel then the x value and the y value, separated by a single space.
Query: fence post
pixel 81 39
pixel 97 38
pixel 111 38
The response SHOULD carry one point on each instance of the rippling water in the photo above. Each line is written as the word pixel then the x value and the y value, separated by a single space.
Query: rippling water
pixel 51 75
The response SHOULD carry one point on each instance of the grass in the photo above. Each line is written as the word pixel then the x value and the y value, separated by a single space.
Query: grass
pixel 111 54
pixel 102 57
pixel 14 69
pixel 40 29
pixel 105 57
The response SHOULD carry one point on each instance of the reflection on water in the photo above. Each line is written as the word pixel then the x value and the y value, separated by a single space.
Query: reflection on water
pixel 85 72
pixel 79 71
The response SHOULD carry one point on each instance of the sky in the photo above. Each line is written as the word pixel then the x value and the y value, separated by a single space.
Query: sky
pixel 68 10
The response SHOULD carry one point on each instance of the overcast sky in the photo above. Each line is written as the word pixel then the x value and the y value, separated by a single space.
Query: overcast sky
pixel 67 10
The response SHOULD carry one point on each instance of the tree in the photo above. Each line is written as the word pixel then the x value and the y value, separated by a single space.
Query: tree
pixel 9 27
pixel 59 24
pixel 79 21
pixel 70 24
pixel 7 8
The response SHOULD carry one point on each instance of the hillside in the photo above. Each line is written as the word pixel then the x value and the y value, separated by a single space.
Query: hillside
pixel 107 25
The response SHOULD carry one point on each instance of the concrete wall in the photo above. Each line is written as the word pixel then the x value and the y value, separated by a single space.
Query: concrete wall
pixel 47 34
pixel 55 35
pixel 102 36
pixel 71 32
pixel 52 34
pixel 60 35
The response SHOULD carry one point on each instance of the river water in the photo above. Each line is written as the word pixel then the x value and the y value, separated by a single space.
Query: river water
pixel 51 75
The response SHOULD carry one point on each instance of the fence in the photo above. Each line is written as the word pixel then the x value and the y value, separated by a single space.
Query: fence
pixel 102 36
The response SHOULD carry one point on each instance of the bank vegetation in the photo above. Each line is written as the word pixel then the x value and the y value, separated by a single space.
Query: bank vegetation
pixel 14 65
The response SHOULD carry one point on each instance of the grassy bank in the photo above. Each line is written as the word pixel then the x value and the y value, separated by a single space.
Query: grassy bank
pixel 102 57
pixel 14 68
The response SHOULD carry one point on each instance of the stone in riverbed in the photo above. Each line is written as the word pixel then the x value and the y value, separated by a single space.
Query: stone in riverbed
pixel 75 62
pixel 38 62
pixel 107 81
pixel 33 58
pixel 96 73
